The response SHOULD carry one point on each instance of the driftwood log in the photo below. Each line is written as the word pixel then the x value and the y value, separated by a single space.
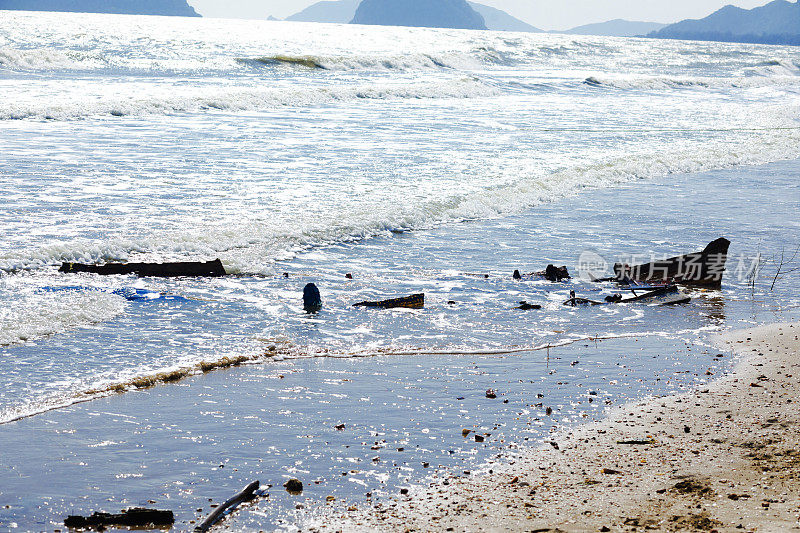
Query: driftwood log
pixel 135 517
pixel 247 494
pixel 415 301
pixel 161 270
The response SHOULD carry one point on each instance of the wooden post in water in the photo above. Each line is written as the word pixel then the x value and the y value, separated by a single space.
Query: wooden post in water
pixel 247 494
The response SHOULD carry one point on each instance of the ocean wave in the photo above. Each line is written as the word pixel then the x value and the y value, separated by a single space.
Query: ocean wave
pixel 246 99
pixel 253 247
pixel 775 68
pixel 40 315
pixel 658 83
pixel 55 59
pixel 36 59
pixel 419 61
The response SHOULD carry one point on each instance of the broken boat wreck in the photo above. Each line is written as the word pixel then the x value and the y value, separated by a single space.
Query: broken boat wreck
pixel 702 269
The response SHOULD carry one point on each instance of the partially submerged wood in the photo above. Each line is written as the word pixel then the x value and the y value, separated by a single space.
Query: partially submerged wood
pixel 415 301
pixel 704 269
pixel 247 494
pixel 651 294
pixel 162 270
pixel 551 273
pixel 312 300
pixel 525 306
pixel 135 517
pixel 575 301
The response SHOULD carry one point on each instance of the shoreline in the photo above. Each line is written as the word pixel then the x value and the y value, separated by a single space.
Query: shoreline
pixel 721 457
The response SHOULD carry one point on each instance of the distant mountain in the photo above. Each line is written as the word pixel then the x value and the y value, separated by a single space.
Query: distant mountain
pixel 125 7
pixel 335 11
pixel 499 20
pixel 343 11
pixel 419 13
pixel 616 28
pixel 775 23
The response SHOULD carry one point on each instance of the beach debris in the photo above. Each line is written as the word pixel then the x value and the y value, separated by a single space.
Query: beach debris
pixel 479 438
pixel 490 393
pixel 525 306
pixel 548 411
pixel 611 471
pixel 246 494
pixel 700 268
pixel 636 442
pixel 554 273
pixel 339 427
pixel 293 486
pixel 550 273
pixel 691 486
pixel 554 444
pixel 348 276
pixel 465 432
pixel 312 300
pixel 134 517
pixel 415 301
pixel 574 301
pixel 161 270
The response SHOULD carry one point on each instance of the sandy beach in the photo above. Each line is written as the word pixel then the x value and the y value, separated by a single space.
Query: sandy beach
pixel 723 457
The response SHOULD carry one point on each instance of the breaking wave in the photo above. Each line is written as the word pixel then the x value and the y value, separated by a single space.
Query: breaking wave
pixel 41 315
pixel 253 247
pixel 454 61
pixel 659 83
pixel 245 99
pixel 54 59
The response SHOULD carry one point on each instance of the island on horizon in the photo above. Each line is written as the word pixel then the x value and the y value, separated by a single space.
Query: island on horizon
pixel 177 8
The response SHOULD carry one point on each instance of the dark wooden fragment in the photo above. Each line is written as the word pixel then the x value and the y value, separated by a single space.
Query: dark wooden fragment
pixel 162 270
pixel 415 301
pixel 135 517
pixel 248 493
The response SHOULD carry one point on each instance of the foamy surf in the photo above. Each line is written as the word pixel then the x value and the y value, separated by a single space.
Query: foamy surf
pixel 178 100
pixel 39 315
pixel 277 350
pixel 254 247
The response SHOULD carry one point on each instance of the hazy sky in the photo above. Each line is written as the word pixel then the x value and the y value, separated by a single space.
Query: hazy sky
pixel 545 14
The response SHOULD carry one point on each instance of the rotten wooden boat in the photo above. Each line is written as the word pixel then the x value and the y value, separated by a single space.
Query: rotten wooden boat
pixel 161 270
pixel 701 269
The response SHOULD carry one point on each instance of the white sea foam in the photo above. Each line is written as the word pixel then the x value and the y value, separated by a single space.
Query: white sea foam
pixel 35 59
pixel 39 315
pixel 177 100
pixel 253 246
pixel 657 83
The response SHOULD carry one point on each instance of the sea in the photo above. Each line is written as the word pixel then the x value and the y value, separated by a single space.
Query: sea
pixel 375 162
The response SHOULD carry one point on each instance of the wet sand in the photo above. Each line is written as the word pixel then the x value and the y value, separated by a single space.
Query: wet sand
pixel 725 457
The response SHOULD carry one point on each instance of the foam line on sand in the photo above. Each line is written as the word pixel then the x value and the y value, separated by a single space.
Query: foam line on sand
pixel 723 457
